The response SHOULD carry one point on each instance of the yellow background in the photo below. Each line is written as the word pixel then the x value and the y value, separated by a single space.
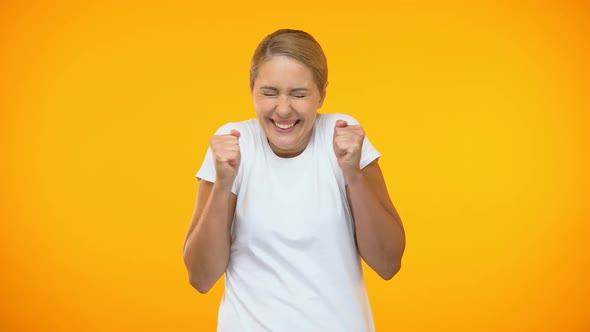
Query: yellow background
pixel 480 110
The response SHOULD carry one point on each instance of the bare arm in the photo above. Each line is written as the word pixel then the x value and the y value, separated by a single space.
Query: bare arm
pixel 207 244
pixel 379 231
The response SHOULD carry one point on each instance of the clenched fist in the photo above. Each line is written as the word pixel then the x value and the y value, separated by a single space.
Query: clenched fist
pixel 348 144
pixel 226 154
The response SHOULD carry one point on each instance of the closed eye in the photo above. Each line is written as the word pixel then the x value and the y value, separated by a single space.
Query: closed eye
pixel 299 93
pixel 269 91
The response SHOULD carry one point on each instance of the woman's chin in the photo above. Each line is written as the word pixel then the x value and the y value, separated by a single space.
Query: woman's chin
pixel 285 148
pixel 281 146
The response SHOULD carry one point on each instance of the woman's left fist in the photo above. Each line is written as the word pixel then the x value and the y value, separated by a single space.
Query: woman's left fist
pixel 348 144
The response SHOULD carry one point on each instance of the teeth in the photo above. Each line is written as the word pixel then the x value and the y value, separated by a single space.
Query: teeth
pixel 284 126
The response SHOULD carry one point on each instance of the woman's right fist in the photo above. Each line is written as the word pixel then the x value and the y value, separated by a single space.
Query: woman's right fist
pixel 226 153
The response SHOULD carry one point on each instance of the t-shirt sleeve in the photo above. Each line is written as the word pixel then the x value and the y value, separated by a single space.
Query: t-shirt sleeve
pixel 207 171
pixel 369 152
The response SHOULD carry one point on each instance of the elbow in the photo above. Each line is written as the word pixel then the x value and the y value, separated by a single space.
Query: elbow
pixel 200 277
pixel 196 280
pixel 391 270
pixel 395 263
pixel 199 285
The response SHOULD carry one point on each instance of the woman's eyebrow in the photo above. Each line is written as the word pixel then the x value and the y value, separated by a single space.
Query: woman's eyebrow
pixel 299 89
pixel 266 87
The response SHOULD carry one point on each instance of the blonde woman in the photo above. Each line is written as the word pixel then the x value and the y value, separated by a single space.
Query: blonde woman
pixel 289 202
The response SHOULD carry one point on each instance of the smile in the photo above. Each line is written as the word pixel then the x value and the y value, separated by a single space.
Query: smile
pixel 285 125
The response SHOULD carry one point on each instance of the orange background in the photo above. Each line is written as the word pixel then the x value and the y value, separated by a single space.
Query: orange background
pixel 480 109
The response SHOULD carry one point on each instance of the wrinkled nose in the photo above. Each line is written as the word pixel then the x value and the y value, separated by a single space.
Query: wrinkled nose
pixel 283 108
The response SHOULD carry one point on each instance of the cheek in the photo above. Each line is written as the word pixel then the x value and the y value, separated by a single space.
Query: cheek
pixel 264 105
pixel 304 105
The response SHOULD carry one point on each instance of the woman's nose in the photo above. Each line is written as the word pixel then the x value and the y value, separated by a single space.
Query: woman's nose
pixel 283 106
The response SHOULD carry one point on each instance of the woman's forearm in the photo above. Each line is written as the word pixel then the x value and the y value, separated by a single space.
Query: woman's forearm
pixel 379 233
pixel 207 249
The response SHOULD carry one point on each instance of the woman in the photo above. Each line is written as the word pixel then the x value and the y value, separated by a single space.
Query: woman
pixel 289 202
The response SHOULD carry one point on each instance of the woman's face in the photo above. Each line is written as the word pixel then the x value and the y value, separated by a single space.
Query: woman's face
pixel 286 99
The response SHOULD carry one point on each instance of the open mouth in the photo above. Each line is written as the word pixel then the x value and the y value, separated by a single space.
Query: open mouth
pixel 285 125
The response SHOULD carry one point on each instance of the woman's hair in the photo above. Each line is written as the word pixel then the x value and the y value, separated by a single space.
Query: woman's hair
pixel 296 44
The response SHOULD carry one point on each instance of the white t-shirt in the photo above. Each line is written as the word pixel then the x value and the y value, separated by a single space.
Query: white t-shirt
pixel 294 264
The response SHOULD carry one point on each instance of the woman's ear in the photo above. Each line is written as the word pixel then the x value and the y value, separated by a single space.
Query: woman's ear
pixel 323 95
